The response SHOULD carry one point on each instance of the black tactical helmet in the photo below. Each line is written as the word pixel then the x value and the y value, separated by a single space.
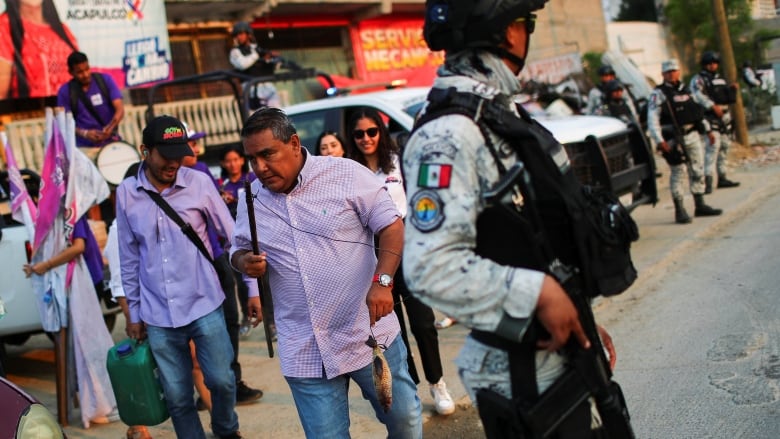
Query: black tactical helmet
pixel 241 27
pixel 613 85
pixel 453 25
pixel 709 57
pixel 606 70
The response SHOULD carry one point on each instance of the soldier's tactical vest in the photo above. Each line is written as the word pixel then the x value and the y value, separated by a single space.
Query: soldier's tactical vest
pixel 584 228
pixel 718 89
pixel 619 109
pixel 260 67
pixel 684 110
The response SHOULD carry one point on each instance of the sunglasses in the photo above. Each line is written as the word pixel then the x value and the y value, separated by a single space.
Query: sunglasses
pixel 372 132
pixel 530 22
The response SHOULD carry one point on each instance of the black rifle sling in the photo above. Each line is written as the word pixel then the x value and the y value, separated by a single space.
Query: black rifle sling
pixel 77 93
pixel 186 228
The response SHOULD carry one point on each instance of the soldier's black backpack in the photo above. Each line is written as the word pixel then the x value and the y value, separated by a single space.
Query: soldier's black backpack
pixel 599 225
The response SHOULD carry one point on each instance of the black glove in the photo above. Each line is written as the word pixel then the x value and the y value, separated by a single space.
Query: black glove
pixel 676 154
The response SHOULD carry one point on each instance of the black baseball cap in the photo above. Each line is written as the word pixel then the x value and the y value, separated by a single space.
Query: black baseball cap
pixel 169 136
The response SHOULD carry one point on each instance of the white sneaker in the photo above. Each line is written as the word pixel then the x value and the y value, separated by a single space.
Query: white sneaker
pixel 446 322
pixel 442 399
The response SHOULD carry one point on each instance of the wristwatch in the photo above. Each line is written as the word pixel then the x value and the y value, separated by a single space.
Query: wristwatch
pixel 383 279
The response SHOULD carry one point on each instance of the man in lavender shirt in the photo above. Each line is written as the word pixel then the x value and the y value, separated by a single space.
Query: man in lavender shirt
pixel 317 219
pixel 173 292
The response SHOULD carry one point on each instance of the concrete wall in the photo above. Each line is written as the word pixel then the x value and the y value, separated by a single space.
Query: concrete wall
pixel 644 43
pixel 568 26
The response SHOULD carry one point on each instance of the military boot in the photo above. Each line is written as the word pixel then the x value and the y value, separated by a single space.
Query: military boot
pixel 703 209
pixel 724 182
pixel 708 184
pixel 680 215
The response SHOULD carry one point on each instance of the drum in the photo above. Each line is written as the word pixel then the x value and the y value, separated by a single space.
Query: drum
pixel 113 160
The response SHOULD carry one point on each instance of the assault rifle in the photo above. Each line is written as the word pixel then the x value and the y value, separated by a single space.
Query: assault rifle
pixel 589 374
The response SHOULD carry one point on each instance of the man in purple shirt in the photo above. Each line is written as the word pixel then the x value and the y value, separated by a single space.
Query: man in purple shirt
pixel 172 290
pixel 99 107
pixel 330 291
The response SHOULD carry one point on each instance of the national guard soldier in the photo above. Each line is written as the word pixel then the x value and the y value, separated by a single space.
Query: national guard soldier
pixel 713 93
pixel 597 94
pixel 252 60
pixel 676 123
pixel 463 256
pixel 614 103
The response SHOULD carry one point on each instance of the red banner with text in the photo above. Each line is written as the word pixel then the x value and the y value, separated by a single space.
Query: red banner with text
pixel 393 49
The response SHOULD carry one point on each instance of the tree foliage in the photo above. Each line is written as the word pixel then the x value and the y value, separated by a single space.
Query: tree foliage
pixel 637 10
pixel 693 30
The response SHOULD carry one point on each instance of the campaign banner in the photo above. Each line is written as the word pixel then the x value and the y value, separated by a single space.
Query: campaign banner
pixel 127 39
pixel 552 70
pixel 391 49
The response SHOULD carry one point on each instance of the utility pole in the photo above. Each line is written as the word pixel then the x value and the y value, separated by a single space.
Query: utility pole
pixel 730 69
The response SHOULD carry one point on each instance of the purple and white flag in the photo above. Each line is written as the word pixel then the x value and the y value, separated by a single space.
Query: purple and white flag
pixel 53 183
pixel 23 207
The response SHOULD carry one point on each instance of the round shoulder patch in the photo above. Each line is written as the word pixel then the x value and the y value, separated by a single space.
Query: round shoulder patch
pixel 427 210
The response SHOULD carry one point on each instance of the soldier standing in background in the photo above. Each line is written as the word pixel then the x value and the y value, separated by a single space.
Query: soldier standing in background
pixel 676 123
pixel 712 92
pixel 250 59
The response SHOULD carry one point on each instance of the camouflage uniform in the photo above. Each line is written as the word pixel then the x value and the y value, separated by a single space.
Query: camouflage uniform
pixel 694 149
pixel 596 103
pixel 448 168
pixel 716 153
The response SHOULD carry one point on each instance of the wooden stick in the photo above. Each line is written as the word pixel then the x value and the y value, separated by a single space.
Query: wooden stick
pixel 61 375
pixel 250 211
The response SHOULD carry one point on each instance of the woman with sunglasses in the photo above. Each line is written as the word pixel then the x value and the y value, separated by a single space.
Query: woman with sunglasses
pixel 329 143
pixel 372 146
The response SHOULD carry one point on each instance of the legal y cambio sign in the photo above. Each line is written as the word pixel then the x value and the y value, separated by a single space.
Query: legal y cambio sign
pixel 127 39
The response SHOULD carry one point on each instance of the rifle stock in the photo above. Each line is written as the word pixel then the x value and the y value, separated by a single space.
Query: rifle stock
pixel 250 209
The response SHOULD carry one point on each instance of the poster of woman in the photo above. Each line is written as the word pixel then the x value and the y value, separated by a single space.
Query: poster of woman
pixel 125 39
pixel 34 46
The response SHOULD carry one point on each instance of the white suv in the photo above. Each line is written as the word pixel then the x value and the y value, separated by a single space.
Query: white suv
pixel 604 151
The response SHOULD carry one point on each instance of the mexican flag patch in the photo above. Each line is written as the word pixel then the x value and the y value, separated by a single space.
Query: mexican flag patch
pixel 434 176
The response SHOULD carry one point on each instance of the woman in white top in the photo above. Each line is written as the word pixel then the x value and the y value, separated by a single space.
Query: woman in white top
pixel 371 145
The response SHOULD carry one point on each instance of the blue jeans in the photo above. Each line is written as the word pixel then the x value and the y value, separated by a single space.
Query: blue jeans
pixel 171 350
pixel 323 405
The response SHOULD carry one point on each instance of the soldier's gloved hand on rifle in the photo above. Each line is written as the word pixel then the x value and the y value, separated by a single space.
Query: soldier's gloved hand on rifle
pixel 664 147
pixel 557 314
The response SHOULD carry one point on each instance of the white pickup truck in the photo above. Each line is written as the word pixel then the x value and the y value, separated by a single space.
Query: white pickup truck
pixel 16 291
pixel 604 151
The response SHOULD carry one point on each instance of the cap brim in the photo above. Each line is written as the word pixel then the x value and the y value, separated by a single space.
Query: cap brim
pixel 197 135
pixel 175 151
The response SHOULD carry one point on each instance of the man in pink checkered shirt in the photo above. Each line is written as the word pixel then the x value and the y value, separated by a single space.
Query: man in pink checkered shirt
pixel 317 218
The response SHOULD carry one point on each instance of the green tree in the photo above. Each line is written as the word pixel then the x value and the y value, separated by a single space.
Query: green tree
pixel 637 10
pixel 693 33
